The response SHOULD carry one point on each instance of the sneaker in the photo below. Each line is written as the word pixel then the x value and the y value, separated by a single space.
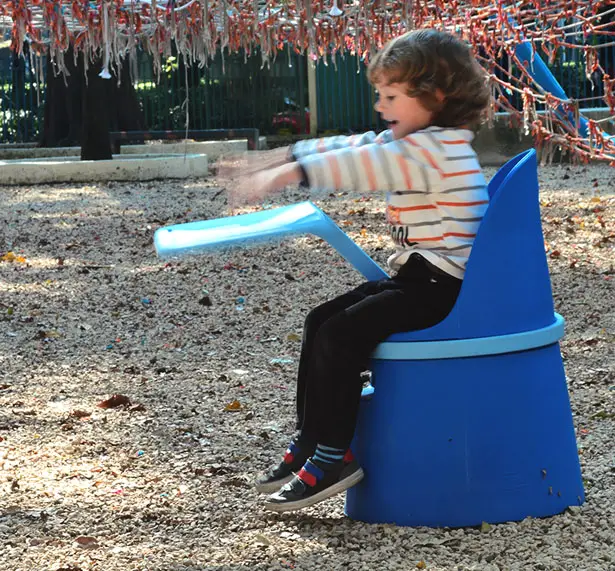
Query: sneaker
pixel 284 472
pixel 314 484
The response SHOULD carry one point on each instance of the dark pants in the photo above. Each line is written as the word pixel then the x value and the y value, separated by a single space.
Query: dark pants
pixel 340 335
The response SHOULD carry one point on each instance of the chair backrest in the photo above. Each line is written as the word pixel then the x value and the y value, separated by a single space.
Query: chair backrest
pixel 507 288
pixel 498 178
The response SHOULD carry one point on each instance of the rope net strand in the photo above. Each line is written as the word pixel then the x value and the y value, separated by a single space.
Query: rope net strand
pixel 581 30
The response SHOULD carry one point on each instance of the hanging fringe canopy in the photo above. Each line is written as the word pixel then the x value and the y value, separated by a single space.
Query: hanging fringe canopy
pixel 112 29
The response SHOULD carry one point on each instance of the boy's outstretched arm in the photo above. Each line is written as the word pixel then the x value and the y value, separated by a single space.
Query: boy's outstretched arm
pixel 412 165
pixel 237 171
pixel 326 144
pixel 256 186
pixel 396 165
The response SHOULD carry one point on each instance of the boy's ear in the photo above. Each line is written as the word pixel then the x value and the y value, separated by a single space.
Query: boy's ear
pixel 440 95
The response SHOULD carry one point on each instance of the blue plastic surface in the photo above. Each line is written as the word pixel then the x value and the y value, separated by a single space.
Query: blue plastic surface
pixel 266 225
pixel 456 442
pixel 477 346
pixel 506 288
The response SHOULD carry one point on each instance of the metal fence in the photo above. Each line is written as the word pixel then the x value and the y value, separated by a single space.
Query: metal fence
pixel 21 103
pixel 345 98
pixel 233 92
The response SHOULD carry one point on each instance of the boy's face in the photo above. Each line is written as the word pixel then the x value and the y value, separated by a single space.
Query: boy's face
pixel 404 114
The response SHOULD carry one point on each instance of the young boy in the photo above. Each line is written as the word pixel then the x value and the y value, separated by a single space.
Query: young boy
pixel 431 93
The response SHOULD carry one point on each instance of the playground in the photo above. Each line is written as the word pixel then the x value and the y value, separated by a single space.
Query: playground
pixel 140 397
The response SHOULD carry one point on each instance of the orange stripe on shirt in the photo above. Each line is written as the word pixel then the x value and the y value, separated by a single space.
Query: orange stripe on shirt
pixel 458 142
pixel 460 173
pixel 458 235
pixel 434 239
pixel 409 208
pixel 321 147
pixel 335 171
pixel 369 169
pixel 425 152
pixel 403 167
pixel 463 203
pixel 440 238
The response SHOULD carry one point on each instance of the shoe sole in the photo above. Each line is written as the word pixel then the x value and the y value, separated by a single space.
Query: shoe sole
pixel 336 488
pixel 272 487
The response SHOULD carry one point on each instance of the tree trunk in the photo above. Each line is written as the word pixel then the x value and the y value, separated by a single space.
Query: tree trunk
pixel 96 97
pixel 82 113
pixel 62 115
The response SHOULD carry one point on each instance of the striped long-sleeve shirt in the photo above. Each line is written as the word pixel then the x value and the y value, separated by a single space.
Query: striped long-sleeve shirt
pixel 436 191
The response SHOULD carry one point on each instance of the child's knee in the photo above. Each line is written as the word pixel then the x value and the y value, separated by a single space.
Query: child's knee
pixel 317 317
pixel 337 333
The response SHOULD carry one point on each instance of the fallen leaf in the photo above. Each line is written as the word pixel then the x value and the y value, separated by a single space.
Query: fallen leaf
pixel 260 539
pixel 233 406
pixel 47 334
pixel 79 413
pixel 206 301
pixel 11 257
pixel 485 527
pixel 86 541
pixel 114 401
pixel 293 337
pixel 421 565
pixel 218 469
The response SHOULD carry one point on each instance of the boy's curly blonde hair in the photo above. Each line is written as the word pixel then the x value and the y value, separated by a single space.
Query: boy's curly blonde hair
pixel 431 60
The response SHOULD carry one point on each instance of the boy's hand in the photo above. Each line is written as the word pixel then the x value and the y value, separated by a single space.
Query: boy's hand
pixel 235 165
pixel 251 188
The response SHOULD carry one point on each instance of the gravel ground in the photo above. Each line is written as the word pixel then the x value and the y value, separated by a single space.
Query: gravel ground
pixel 205 350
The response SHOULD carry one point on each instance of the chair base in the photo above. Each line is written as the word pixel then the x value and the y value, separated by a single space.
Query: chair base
pixel 457 442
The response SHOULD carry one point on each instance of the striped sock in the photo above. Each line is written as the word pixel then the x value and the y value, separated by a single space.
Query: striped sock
pixel 328 454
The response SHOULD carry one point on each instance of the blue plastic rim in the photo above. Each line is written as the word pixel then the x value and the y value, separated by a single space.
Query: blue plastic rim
pixel 456 348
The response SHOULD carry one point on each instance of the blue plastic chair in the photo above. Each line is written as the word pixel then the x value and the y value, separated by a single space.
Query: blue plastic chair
pixel 485 387
pixel 469 420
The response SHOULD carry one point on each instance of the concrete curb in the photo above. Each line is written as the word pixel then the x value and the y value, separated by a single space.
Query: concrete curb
pixel 213 149
pixel 121 168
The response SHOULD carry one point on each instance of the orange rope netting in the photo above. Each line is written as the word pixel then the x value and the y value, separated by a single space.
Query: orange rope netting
pixel 111 29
